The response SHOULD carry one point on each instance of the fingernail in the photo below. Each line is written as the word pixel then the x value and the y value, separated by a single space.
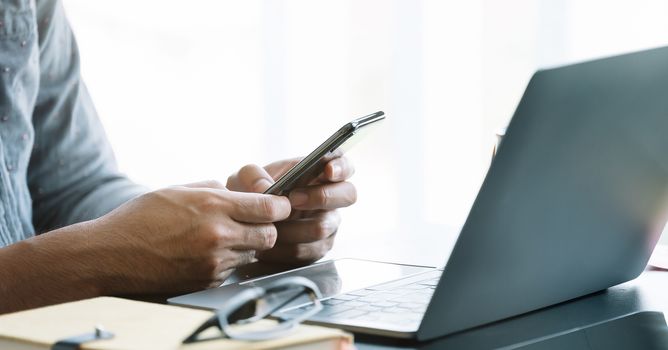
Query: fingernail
pixel 298 198
pixel 336 171
pixel 261 184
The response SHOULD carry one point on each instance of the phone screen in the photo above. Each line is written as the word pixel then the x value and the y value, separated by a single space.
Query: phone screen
pixel 310 168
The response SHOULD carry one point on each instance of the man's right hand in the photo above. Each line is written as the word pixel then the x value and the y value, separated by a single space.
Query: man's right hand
pixel 173 240
pixel 184 238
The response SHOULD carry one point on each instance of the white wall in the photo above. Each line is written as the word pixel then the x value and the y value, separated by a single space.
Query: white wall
pixel 194 90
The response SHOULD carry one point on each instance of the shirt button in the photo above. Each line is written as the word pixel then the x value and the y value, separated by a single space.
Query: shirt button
pixel 4 118
pixel 10 167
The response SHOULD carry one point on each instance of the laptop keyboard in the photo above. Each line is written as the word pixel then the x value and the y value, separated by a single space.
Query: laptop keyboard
pixel 399 303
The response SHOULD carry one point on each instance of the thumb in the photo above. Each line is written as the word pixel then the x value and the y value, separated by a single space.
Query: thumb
pixel 253 178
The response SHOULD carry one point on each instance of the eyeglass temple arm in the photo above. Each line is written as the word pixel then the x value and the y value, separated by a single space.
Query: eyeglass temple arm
pixel 211 322
pixel 271 310
pixel 285 284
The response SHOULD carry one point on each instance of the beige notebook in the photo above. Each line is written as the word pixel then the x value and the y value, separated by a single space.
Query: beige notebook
pixel 141 325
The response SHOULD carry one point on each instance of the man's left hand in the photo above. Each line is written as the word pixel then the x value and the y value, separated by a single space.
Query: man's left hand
pixel 308 234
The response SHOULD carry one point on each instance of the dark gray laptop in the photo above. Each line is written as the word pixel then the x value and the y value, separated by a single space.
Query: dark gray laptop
pixel 573 203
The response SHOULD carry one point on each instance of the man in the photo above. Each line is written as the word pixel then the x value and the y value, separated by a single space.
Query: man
pixel 72 226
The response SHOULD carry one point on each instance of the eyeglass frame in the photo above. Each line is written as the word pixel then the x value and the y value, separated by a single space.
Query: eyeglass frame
pixel 235 303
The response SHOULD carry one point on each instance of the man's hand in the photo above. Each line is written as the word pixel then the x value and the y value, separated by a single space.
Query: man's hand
pixel 188 237
pixel 177 239
pixel 308 234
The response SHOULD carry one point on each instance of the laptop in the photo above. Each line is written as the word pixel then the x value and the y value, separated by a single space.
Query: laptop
pixel 573 203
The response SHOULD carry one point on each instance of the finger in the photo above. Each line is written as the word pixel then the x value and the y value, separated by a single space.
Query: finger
pixel 325 196
pixel 210 270
pixel 219 279
pixel 251 237
pixel 337 170
pixel 279 168
pixel 256 208
pixel 206 184
pixel 296 214
pixel 250 178
pixel 227 262
pixel 235 258
pixel 307 230
pixel 233 183
pixel 303 253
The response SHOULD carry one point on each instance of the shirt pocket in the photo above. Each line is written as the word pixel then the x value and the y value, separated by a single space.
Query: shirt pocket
pixel 16 21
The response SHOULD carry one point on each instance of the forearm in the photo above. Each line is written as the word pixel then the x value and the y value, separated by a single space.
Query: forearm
pixel 173 240
pixel 59 266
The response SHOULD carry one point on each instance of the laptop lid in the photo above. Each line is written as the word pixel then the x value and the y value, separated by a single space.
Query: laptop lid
pixel 575 199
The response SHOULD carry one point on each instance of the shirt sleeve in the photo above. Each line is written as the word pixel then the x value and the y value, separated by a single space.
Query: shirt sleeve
pixel 72 174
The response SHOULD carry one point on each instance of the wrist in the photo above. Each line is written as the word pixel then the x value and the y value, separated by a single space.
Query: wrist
pixel 52 268
pixel 74 255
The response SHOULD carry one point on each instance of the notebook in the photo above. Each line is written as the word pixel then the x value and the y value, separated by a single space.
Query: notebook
pixel 142 325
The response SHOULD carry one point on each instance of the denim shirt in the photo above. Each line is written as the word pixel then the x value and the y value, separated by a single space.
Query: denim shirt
pixel 56 165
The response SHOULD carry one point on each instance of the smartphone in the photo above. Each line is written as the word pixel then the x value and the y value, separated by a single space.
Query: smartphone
pixel 309 168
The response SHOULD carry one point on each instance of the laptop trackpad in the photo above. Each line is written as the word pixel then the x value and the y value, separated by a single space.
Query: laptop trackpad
pixel 345 275
pixel 332 277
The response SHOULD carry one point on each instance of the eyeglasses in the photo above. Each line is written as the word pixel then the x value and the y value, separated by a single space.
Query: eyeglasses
pixel 272 297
